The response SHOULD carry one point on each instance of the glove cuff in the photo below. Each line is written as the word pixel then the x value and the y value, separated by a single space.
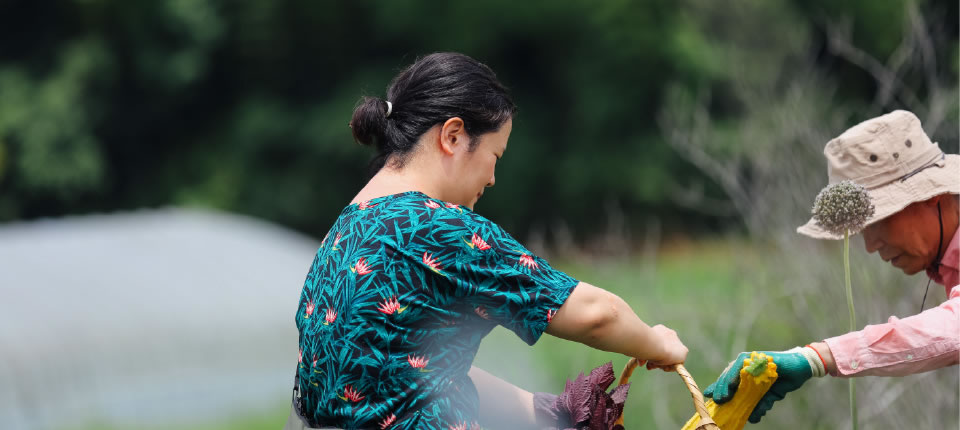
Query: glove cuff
pixel 813 359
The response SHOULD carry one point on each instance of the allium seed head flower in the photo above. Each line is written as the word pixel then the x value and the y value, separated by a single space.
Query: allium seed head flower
pixel 841 207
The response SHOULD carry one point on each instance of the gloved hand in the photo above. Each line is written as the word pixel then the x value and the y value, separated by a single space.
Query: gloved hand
pixel 794 367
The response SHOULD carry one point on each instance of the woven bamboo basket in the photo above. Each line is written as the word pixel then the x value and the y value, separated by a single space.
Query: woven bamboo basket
pixel 706 421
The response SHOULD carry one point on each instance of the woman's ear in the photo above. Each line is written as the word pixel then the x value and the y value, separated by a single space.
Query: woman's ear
pixel 452 133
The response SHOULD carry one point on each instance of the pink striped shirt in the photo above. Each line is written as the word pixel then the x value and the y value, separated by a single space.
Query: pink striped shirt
pixel 919 343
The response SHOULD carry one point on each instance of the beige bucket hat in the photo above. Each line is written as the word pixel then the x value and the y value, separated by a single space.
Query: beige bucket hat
pixel 894 160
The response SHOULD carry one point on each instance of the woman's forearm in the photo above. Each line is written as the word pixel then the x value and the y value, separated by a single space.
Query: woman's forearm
pixel 502 405
pixel 600 319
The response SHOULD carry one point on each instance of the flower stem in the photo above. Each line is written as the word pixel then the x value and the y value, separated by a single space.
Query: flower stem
pixel 853 319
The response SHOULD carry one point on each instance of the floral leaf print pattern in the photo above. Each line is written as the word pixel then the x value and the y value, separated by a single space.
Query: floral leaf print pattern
pixel 528 262
pixel 361 268
pixel 388 421
pixel 482 312
pixel 352 395
pixel 478 243
pixel 419 363
pixel 330 317
pixel 431 262
pixel 451 274
pixel 391 305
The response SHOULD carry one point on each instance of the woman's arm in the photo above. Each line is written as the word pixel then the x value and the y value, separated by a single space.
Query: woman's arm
pixel 601 319
pixel 502 405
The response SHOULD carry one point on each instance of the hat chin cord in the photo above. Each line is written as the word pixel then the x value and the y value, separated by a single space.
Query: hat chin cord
pixel 935 265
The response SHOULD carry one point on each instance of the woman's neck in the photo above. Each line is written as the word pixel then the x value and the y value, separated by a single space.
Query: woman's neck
pixel 389 181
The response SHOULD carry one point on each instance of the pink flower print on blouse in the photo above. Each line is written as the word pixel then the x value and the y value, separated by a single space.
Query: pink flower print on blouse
pixel 431 204
pixel 364 205
pixel 330 317
pixel 528 261
pixel 336 241
pixel 361 268
pixel 418 362
pixel 477 242
pixel 550 314
pixel 391 305
pixel 388 421
pixel 309 310
pixel 480 310
pixel 352 395
pixel 454 206
pixel 431 262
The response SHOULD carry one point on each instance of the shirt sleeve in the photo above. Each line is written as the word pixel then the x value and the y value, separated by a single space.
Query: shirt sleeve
pixel 486 269
pixel 920 343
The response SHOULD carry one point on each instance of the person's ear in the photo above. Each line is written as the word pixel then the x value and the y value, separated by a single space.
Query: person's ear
pixel 452 133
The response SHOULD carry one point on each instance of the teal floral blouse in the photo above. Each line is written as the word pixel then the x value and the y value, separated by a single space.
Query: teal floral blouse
pixel 397 300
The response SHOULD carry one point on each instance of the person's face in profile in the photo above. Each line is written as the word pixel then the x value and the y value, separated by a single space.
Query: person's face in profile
pixel 907 239
pixel 477 167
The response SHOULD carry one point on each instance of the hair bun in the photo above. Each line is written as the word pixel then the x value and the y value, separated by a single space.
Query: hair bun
pixel 430 91
pixel 369 122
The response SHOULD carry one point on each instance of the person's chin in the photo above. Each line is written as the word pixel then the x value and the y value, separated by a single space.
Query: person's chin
pixel 909 269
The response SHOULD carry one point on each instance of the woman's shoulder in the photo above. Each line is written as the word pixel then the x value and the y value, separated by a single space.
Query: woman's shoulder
pixel 416 204
pixel 414 217
pixel 450 215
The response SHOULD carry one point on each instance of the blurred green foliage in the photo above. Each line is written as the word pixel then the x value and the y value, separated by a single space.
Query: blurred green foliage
pixel 243 106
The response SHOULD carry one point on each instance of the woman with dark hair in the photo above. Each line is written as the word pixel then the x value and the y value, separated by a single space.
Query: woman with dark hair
pixel 409 279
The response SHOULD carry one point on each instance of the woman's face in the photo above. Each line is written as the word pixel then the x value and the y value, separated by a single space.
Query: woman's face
pixel 476 168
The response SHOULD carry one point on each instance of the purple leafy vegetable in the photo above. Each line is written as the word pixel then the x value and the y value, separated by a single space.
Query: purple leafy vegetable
pixel 584 403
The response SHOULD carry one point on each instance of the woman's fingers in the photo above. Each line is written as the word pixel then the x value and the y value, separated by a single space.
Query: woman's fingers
pixel 673 350
pixel 665 368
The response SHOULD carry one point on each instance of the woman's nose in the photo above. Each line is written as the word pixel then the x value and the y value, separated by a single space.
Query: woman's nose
pixel 493 180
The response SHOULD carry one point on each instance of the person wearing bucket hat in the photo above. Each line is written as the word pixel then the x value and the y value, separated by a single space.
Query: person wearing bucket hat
pixel 914 188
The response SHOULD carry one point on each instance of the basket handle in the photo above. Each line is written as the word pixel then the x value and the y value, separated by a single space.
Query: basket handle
pixel 706 421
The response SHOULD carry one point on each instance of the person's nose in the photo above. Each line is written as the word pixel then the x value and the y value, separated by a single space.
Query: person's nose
pixel 871 240
pixel 493 180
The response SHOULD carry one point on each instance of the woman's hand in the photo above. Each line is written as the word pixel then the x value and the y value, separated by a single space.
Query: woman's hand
pixel 672 350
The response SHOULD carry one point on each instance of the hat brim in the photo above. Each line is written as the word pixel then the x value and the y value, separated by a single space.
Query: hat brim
pixel 893 197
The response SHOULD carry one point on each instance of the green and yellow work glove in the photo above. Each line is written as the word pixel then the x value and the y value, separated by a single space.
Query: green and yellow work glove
pixel 794 367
